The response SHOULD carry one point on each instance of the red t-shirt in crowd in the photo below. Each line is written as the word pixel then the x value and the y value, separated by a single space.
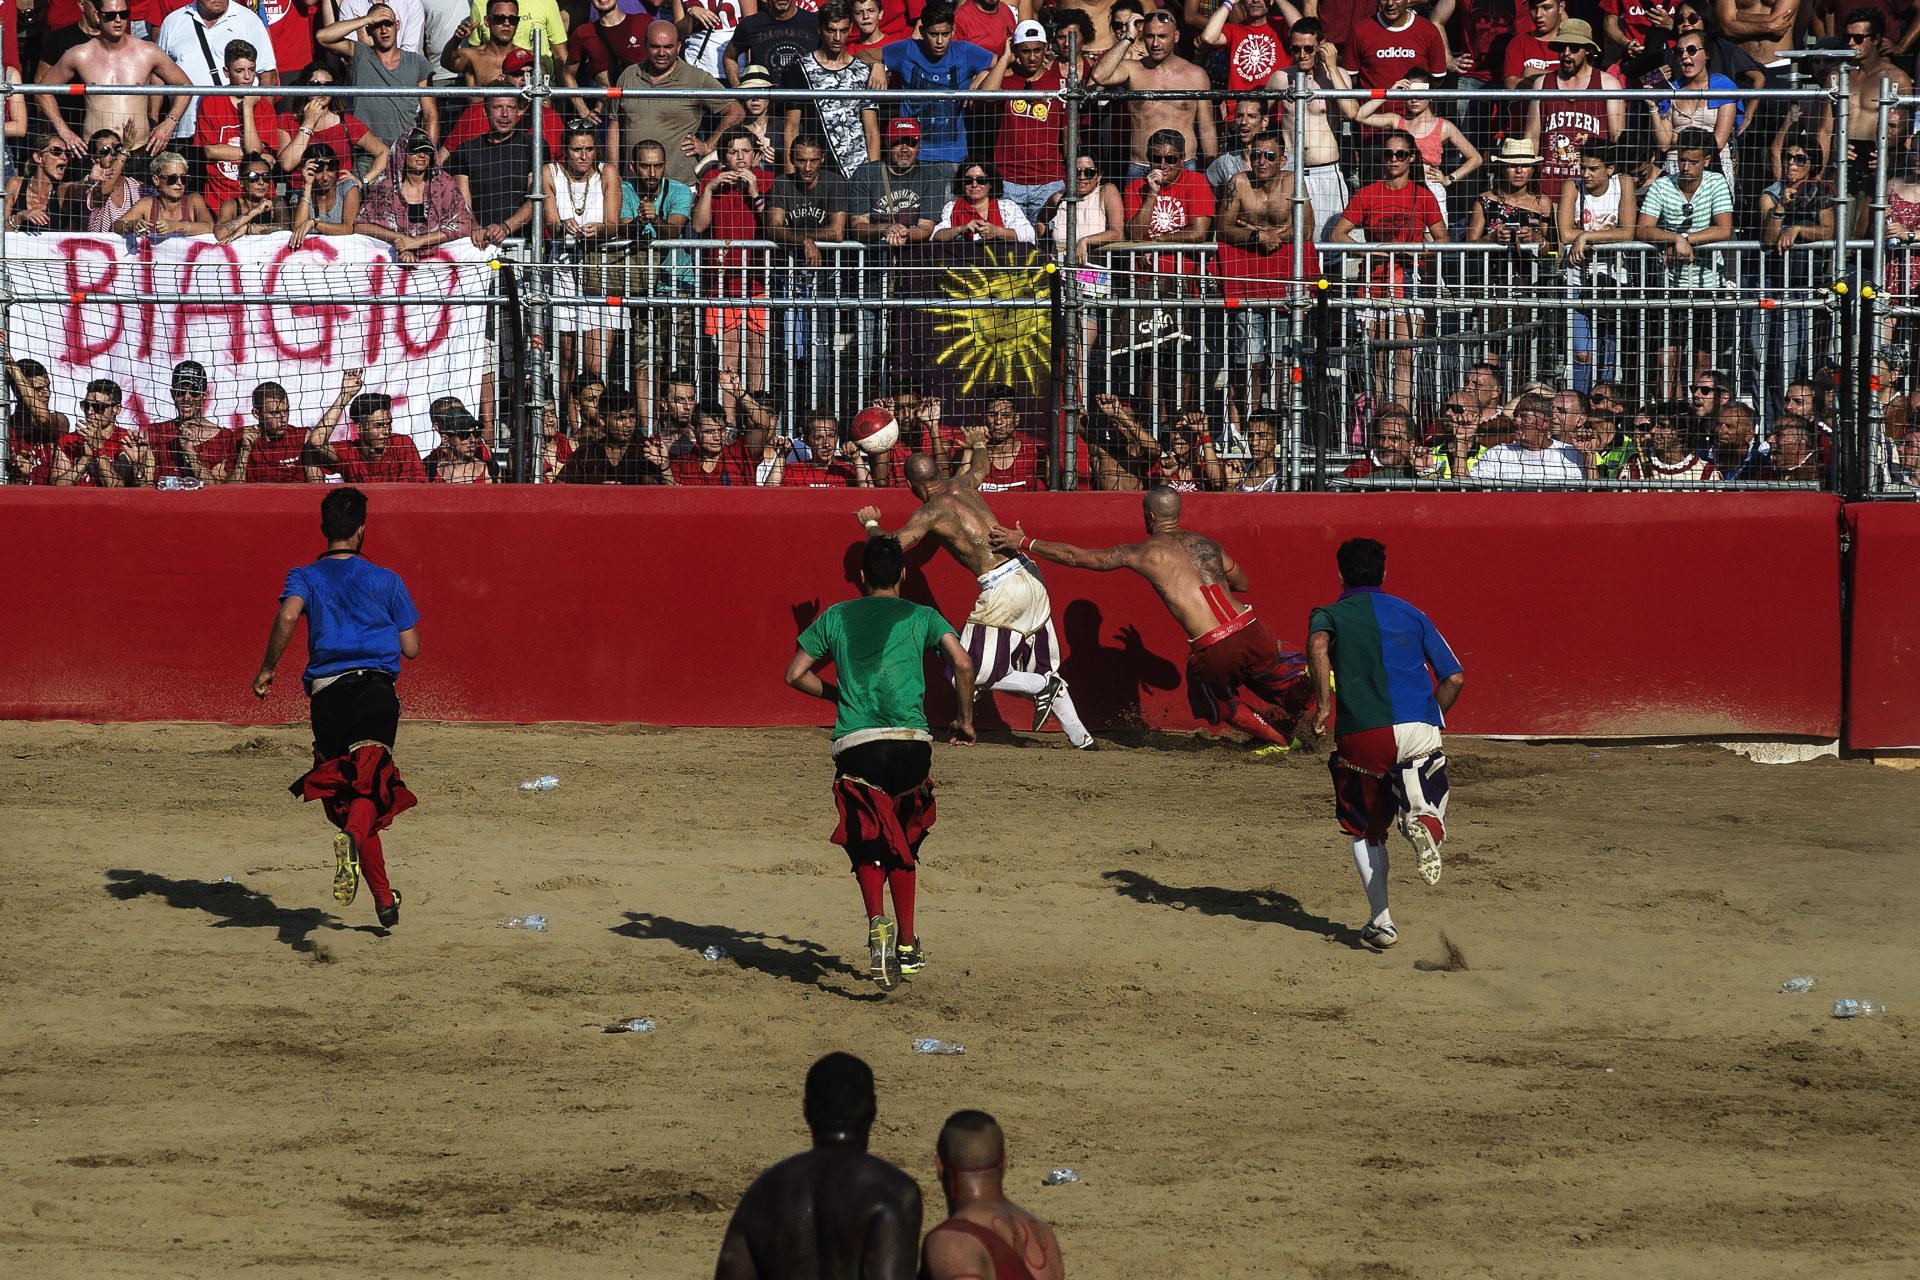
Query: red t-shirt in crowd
pixel 811 475
pixel 1480 28
pixel 73 444
pixel 1181 201
pixel 398 463
pixel 341 137
pixel 1028 470
pixel 279 461
pixel 897 18
pixel 735 218
pixel 989 30
pixel 1254 53
pixel 217 122
pixel 290 27
pixel 1382 57
pixel 1384 214
pixel 30 463
pixel 1633 18
pixel 734 468
pixel 1028 149
pixel 473 124
pixel 609 49
pixel 217 450
pixel 1528 56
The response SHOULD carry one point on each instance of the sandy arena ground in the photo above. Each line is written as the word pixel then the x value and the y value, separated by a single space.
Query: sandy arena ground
pixel 1576 1063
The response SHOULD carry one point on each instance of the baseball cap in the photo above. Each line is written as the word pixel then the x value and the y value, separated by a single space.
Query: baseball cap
pixel 516 62
pixel 458 423
pixel 189 375
pixel 904 127
pixel 1029 32
pixel 418 141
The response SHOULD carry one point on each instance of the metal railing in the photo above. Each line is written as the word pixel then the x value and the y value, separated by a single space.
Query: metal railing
pixel 1158 325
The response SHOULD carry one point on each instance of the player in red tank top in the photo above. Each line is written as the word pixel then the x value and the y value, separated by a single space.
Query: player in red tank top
pixel 985 1234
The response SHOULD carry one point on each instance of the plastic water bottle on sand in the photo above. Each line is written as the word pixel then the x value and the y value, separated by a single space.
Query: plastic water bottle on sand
pixel 545 782
pixel 1059 1177
pixel 930 1045
pixel 1857 1008
pixel 532 924
pixel 714 953
pixel 1798 986
pixel 631 1024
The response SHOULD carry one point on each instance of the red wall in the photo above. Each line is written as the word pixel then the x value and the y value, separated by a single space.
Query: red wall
pixel 1883 700
pixel 1575 614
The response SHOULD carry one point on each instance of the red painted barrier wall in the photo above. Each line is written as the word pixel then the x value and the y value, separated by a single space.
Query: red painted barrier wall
pixel 1575 614
pixel 1883 697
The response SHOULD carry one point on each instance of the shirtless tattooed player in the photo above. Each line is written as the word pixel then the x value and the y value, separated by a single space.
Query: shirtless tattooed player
pixel 1231 648
pixel 1009 635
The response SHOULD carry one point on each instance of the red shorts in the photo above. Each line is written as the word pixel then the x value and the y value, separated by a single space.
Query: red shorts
pixel 1243 654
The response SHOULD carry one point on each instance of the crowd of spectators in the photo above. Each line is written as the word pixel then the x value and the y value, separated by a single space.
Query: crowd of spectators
pixel 1684 171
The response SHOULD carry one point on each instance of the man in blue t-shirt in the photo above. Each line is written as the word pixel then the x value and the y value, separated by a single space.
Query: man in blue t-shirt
pixel 936 65
pixel 360 623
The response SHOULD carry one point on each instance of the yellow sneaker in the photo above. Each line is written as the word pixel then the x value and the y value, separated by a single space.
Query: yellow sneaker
pixel 346 870
pixel 882 955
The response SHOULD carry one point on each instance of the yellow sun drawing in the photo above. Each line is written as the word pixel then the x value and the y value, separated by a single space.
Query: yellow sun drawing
pixel 989 344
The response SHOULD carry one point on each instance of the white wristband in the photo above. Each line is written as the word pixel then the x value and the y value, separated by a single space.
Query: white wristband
pixel 871 524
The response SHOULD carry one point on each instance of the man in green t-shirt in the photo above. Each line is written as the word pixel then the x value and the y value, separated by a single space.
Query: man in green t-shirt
pixel 882 747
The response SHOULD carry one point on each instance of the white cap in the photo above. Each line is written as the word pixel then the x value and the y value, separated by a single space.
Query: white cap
pixel 1029 33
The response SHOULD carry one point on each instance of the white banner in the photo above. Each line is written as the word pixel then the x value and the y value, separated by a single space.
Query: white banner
pixel 414 353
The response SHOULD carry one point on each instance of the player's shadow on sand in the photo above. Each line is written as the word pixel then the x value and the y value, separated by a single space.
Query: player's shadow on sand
pixel 796 960
pixel 1262 906
pixel 237 906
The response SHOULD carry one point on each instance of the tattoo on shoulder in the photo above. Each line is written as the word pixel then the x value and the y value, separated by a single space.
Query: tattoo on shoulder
pixel 1206 556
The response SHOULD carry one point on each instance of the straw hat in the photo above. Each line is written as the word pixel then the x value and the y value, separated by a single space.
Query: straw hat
pixel 1515 151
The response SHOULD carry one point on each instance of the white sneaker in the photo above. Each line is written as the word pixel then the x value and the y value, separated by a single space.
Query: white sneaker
pixel 1379 936
pixel 1425 846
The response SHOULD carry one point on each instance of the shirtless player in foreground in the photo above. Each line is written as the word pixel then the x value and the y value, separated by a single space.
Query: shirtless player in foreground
pixel 1231 648
pixel 833 1212
pixel 1009 635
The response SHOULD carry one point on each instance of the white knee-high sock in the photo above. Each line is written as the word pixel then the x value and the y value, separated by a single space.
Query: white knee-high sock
pixel 1370 859
pixel 1069 718
pixel 1024 683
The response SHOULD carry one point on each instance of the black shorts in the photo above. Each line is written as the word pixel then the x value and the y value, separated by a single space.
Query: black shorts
pixel 360 707
pixel 895 765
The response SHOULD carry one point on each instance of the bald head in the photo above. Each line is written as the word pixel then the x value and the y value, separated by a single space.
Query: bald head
pixel 971 1142
pixel 922 469
pixel 1161 503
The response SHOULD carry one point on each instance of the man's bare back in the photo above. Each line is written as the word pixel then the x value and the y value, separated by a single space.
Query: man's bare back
pixel 831 1213
pixel 951 509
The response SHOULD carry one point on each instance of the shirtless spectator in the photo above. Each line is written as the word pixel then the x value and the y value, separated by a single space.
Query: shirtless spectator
pixel 483 63
pixel 1123 456
pixel 190 445
pixel 1866 31
pixel 985 1233
pixel 1247 120
pixel 115 57
pixel 100 452
pixel 1325 181
pixel 833 1212
pixel 1231 650
pixel 1761 27
pixel 375 454
pixel 1190 119
pixel 271 452
pixel 1397 42
pixel 1257 222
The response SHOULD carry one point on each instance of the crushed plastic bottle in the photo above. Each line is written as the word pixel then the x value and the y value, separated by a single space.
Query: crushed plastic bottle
pixel 226 880
pixel 1857 1008
pixel 545 782
pixel 928 1044
pixel 532 924
pixel 1059 1177
pixel 178 483
pixel 1798 986
pixel 714 953
pixel 630 1024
